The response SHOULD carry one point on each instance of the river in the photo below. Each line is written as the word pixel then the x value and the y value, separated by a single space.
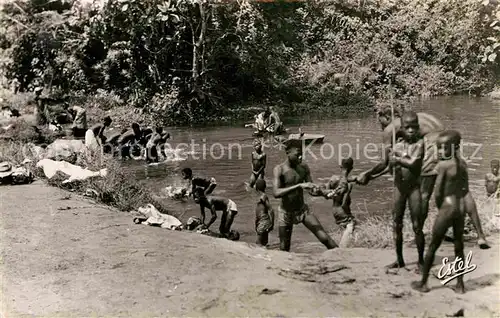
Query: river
pixel 477 118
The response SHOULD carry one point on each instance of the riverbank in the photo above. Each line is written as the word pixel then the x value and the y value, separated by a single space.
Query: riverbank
pixel 63 255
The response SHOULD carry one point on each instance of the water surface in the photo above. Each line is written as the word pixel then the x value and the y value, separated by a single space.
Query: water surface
pixel 477 118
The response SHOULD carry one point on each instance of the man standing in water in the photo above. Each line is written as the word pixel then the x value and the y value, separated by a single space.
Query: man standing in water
pixel 290 179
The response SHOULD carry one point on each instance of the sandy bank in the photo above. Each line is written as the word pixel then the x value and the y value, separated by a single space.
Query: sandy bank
pixel 91 260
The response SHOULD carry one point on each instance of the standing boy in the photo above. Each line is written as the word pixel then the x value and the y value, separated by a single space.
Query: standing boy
pixel 452 187
pixel 259 159
pixel 290 179
pixel 264 214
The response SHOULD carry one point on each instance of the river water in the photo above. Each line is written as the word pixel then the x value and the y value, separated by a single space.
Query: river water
pixel 478 119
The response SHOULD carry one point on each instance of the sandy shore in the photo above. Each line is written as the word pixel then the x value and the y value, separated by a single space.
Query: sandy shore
pixel 66 256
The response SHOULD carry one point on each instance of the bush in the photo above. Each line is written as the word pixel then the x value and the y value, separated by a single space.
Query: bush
pixel 194 62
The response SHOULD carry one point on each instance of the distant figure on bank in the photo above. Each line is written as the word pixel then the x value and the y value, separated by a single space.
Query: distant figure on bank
pixel 274 123
pixel 208 185
pixel 262 120
pixel 264 214
pixel 40 107
pixel 214 204
pixel 259 159
pixel 94 137
pixel 130 142
pixel 492 179
pixel 452 187
pixel 79 127
pixel 290 179
pixel 156 141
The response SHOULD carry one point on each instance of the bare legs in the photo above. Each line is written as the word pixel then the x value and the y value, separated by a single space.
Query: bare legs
pixel 418 220
pixel 254 177
pixel 471 208
pixel 226 222
pixel 448 216
pixel 397 227
pixel 312 223
pixel 414 200
pixel 263 239
pixel 285 234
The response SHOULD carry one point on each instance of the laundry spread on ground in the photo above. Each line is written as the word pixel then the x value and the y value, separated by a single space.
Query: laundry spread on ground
pixel 149 215
pixel 75 173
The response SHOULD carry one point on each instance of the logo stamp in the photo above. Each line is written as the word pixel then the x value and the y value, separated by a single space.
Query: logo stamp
pixel 459 267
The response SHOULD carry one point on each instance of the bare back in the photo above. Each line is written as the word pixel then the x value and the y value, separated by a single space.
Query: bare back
pixel 455 178
pixel 219 203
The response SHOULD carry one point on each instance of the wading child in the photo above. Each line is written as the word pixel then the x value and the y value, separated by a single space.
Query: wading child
pixel 208 185
pixel 155 142
pixel 214 204
pixel 94 137
pixel 341 194
pixel 492 179
pixel 452 188
pixel 290 179
pixel 339 189
pixel 259 159
pixel 131 141
pixel 264 214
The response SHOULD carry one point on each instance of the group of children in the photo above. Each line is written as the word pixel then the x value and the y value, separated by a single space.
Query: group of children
pixel 405 159
pixel 129 142
pixel 338 189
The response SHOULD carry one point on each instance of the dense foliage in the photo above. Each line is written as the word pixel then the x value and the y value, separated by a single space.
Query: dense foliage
pixel 187 61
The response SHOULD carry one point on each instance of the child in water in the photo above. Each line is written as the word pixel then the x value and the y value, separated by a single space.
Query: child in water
pixel 264 214
pixel 339 189
pixel 452 200
pixel 492 179
pixel 258 163
pixel 208 185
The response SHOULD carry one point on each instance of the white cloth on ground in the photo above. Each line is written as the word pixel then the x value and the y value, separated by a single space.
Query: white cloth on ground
pixel 156 218
pixel 51 167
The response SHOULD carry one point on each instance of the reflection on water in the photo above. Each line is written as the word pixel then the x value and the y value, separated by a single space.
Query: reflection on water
pixel 477 119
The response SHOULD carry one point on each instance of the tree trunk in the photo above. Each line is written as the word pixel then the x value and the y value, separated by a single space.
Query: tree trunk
pixel 198 44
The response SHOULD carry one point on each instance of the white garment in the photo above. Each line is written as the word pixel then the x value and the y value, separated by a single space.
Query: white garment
pixel 231 206
pixel 51 167
pixel 156 218
pixel 260 122
pixel 91 141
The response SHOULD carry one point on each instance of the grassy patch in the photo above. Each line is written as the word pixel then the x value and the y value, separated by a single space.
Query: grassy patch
pixel 118 189
pixel 376 231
